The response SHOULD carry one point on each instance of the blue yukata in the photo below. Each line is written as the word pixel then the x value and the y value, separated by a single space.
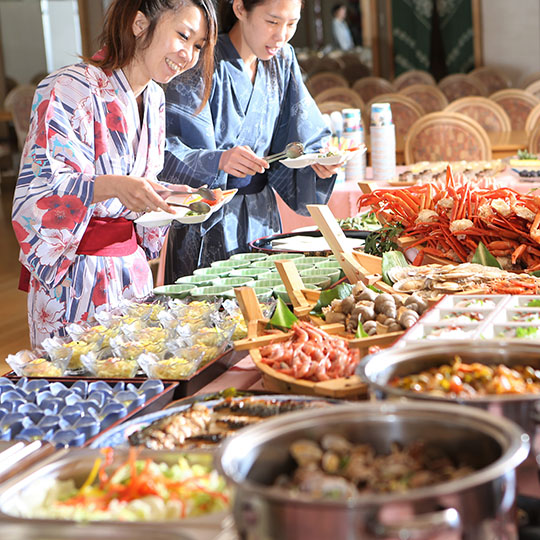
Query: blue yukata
pixel 265 115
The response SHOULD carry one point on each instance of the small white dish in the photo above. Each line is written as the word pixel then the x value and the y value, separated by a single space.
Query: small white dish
pixel 300 162
pixel 162 218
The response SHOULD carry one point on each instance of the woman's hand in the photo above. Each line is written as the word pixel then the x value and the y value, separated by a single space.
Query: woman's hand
pixel 326 171
pixel 136 194
pixel 241 161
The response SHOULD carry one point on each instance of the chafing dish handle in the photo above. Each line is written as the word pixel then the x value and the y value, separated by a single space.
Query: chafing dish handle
pixel 422 526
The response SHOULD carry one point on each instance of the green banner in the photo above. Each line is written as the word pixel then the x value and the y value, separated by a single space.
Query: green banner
pixel 411 22
pixel 457 34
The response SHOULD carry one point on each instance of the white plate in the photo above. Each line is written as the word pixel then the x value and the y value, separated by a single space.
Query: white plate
pixel 339 156
pixel 299 162
pixel 161 218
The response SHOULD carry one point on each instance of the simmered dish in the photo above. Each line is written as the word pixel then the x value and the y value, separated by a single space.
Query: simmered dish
pixel 472 380
pixel 335 468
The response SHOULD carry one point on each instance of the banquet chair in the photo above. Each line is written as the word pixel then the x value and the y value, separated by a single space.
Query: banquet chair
pixel 323 81
pixel 534 88
pixel 19 103
pixel 492 78
pixel 369 87
pixel 446 136
pixel 534 140
pixel 405 111
pixel 459 85
pixel 486 112
pixel 413 76
pixel 354 71
pixel 428 96
pixel 529 79
pixel 343 94
pixel 327 107
pixel 517 103
pixel 328 64
pixel 533 119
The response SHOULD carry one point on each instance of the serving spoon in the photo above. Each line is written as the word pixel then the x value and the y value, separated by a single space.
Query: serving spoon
pixel 199 207
pixel 292 150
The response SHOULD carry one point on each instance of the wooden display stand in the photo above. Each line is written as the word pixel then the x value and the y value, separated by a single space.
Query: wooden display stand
pixel 344 388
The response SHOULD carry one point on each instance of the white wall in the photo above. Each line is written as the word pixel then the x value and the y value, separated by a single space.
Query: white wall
pixel 63 33
pixel 22 39
pixel 511 36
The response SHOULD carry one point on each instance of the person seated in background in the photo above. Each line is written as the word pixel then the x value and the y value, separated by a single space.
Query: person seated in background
pixel 258 104
pixel 340 29
pixel 89 165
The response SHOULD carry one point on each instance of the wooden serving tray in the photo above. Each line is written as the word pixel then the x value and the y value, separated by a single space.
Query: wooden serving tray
pixel 343 388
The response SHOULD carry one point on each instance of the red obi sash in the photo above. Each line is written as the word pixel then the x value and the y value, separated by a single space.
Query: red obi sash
pixel 104 236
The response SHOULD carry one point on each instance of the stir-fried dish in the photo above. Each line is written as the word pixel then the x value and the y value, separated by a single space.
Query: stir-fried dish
pixel 139 490
pixel 336 468
pixel 472 380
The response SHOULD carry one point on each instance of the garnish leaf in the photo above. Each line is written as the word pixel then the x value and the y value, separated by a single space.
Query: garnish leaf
pixel 360 332
pixel 283 317
pixel 484 257
pixel 533 303
pixel 325 299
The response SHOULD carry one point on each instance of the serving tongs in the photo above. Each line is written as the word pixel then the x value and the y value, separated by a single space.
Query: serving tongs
pixel 292 150
pixel 204 192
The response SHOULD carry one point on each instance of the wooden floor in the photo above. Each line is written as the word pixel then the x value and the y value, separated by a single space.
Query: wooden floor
pixel 13 320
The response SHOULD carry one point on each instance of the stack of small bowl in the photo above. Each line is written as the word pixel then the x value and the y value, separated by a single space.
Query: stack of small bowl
pixel 255 270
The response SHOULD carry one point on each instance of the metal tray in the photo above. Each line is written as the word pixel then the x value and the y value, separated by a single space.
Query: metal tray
pixel 264 244
pixel 183 388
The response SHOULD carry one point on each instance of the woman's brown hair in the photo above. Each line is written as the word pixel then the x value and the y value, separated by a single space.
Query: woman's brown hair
pixel 120 45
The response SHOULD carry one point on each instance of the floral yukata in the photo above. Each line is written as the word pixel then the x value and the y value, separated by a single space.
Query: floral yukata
pixel 265 115
pixel 85 123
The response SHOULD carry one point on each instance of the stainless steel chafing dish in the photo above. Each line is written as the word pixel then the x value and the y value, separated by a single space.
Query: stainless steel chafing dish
pixel 479 505
pixel 378 369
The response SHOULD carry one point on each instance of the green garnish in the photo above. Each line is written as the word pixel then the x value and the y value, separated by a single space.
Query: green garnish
pixel 383 240
pixel 526 331
pixel 533 303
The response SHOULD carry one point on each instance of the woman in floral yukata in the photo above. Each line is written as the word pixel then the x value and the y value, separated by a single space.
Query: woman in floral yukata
pixel 258 105
pixel 89 165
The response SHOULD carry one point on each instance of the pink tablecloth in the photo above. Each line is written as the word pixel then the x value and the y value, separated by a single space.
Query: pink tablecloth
pixel 342 203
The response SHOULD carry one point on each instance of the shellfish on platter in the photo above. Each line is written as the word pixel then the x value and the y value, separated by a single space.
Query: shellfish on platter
pixel 434 279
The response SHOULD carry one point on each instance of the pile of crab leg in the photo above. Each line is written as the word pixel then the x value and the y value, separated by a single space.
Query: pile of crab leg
pixel 449 219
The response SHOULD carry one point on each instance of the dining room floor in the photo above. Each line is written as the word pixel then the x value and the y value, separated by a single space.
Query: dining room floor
pixel 14 324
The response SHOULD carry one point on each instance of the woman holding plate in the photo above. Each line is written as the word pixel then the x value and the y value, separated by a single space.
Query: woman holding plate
pixel 258 105
pixel 93 150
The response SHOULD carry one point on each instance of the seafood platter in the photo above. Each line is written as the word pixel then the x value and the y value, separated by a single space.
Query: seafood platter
pixel 315 358
pixel 431 281
pixel 449 220
pixel 183 341
pixel 38 409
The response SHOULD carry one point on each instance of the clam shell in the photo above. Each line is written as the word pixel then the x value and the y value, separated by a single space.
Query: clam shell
pixel 448 286
pixel 397 273
pixel 410 284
